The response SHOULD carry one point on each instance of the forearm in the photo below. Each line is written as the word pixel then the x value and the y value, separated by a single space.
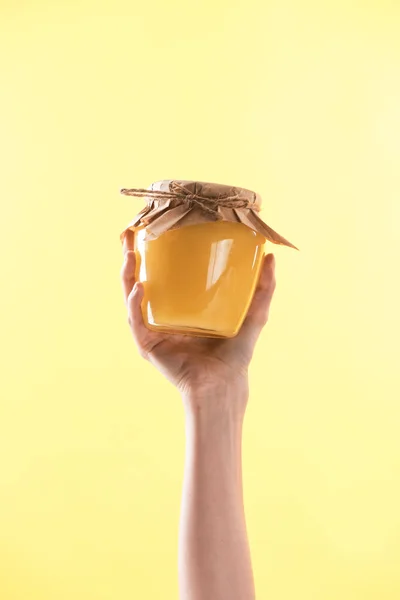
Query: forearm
pixel 214 557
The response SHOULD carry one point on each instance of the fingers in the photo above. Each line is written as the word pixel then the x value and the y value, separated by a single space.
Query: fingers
pixel 128 243
pixel 128 273
pixel 129 265
pixel 258 313
pixel 145 340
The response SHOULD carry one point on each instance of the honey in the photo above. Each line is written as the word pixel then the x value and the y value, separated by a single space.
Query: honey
pixel 199 249
pixel 199 279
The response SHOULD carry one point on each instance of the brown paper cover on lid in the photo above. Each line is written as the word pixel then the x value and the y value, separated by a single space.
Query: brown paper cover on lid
pixel 172 204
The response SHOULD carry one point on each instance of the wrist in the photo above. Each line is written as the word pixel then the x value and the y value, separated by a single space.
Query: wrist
pixel 223 402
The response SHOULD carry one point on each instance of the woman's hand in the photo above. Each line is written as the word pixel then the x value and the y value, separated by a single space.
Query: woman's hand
pixel 197 365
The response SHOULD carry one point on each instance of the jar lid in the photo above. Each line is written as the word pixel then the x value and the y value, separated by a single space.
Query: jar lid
pixel 213 191
pixel 172 204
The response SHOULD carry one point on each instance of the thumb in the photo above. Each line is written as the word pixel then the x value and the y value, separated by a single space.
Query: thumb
pixel 258 313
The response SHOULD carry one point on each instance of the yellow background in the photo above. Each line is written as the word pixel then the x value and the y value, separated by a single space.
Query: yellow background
pixel 298 100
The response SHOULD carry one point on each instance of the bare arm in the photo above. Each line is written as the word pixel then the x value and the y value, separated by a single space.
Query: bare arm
pixel 212 378
pixel 214 555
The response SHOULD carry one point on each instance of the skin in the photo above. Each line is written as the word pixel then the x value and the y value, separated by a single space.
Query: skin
pixel 211 376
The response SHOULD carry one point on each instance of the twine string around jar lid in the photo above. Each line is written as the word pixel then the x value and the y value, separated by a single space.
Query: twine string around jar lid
pixel 179 192
pixel 174 207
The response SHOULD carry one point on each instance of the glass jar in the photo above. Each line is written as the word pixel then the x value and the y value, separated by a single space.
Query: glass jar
pixel 198 257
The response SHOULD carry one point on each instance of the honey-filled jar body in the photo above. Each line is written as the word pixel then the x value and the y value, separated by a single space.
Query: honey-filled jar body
pixel 199 279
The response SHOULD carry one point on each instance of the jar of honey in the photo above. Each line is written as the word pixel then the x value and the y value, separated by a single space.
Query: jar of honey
pixel 199 249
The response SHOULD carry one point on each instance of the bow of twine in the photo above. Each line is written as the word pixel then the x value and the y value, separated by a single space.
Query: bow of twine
pixel 178 191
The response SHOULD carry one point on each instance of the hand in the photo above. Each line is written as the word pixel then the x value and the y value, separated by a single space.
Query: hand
pixel 195 365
